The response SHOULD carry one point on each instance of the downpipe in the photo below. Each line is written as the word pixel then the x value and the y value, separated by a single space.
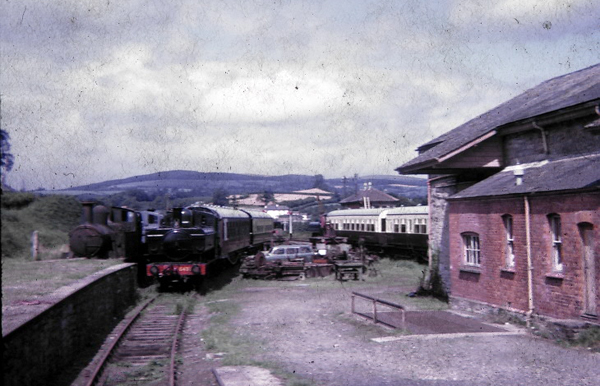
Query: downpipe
pixel 529 262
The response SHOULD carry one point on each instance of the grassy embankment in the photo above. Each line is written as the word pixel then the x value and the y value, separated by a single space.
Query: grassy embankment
pixel 53 217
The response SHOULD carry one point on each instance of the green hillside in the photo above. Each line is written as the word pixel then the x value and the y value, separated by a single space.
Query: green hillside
pixel 52 216
pixel 191 183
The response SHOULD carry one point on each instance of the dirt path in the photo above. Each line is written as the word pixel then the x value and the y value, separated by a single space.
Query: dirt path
pixel 307 330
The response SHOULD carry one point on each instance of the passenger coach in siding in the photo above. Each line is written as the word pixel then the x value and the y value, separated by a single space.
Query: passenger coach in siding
pixel 398 231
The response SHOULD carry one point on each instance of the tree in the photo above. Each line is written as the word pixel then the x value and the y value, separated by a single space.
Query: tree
pixel 220 197
pixel 320 183
pixel 268 196
pixel 7 158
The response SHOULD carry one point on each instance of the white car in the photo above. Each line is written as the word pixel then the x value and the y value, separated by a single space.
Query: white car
pixel 290 252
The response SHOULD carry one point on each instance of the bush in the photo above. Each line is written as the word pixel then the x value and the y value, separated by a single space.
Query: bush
pixel 16 200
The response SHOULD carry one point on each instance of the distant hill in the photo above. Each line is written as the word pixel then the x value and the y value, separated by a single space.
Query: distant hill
pixel 232 183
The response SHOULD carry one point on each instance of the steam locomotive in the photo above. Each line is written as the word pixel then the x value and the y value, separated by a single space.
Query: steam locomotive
pixel 104 232
pixel 174 247
pixel 189 239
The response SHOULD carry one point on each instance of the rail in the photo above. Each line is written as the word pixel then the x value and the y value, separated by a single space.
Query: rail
pixel 97 372
pixel 172 365
pixel 374 302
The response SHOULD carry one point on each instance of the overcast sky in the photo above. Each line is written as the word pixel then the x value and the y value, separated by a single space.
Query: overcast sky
pixel 97 90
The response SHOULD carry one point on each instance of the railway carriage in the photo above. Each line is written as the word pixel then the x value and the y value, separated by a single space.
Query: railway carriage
pixel 401 230
pixel 262 226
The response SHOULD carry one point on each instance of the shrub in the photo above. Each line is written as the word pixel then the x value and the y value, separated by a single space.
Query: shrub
pixel 16 200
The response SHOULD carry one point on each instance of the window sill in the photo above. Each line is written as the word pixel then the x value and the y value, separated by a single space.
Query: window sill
pixel 555 275
pixel 510 270
pixel 470 269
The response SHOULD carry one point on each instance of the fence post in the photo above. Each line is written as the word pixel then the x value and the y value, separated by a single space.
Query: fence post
pixel 352 303
pixel 375 311
pixel 403 318
pixel 35 245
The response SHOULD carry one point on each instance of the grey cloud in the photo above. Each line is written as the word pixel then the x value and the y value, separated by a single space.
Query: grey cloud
pixel 124 88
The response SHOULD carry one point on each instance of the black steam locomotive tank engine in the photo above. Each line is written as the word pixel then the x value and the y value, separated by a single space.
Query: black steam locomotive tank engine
pixel 190 239
pixel 180 248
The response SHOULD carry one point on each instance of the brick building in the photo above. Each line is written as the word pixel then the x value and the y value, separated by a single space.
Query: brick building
pixel 514 202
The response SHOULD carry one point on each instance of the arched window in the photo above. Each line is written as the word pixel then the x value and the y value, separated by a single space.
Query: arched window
pixel 471 249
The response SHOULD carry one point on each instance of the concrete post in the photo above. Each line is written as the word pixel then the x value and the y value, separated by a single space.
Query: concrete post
pixel 35 245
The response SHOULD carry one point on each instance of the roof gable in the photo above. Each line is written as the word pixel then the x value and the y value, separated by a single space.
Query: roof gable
pixel 555 94
pixel 565 174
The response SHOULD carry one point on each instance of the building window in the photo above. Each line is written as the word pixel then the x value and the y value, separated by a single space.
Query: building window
pixel 510 247
pixel 471 249
pixel 557 263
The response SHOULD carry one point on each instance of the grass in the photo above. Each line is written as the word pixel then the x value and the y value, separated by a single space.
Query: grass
pixel 588 338
pixel 23 278
pixel 52 217
pixel 152 372
pixel 238 347
pixel 401 276
pixel 218 337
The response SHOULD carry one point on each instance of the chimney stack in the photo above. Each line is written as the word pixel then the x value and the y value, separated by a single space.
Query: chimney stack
pixel 518 172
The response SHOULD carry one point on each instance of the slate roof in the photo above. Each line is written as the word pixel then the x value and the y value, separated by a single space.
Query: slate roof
pixel 374 195
pixel 554 94
pixel 546 176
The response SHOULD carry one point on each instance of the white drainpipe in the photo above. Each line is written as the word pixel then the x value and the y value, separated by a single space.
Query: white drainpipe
pixel 529 262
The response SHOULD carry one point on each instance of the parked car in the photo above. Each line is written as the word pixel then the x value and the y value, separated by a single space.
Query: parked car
pixel 290 252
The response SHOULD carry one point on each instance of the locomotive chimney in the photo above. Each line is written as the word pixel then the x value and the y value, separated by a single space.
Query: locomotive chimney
pixel 177 217
pixel 518 173
pixel 87 211
pixel 100 214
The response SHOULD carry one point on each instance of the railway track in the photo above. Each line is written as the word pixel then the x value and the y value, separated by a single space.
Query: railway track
pixel 142 349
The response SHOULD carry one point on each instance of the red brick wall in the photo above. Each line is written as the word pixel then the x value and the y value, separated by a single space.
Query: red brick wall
pixel 555 297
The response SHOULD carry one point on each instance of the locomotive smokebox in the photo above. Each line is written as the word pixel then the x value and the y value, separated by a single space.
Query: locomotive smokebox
pixel 178 244
pixel 89 240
